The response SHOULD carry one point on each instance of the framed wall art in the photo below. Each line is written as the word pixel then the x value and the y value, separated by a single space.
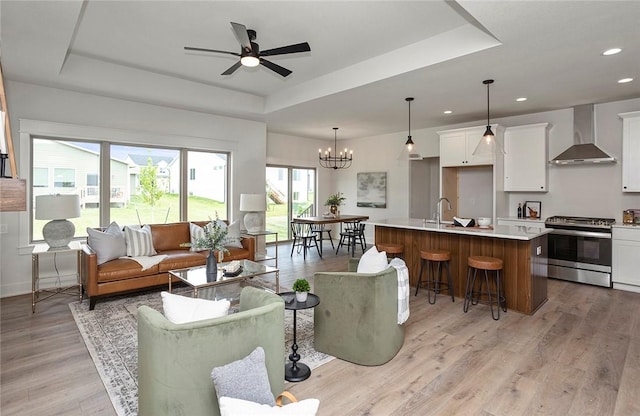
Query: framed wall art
pixel 533 209
pixel 372 189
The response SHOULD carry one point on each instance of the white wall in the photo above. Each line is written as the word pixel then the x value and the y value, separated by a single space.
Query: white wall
pixel 121 120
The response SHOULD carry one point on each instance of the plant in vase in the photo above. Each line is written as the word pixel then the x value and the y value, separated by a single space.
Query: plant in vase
pixel 302 288
pixel 334 201
pixel 215 235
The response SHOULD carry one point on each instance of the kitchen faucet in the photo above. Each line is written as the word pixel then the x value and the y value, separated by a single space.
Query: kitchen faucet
pixel 439 207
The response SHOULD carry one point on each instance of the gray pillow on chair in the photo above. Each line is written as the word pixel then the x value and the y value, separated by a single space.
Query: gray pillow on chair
pixel 245 379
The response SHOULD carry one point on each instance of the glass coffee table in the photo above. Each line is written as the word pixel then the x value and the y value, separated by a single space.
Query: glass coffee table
pixel 197 278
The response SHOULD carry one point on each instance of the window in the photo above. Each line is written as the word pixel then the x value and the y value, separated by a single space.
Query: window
pixel 72 166
pixel 291 193
pixel 144 184
pixel 40 177
pixel 64 178
pixel 152 177
pixel 207 196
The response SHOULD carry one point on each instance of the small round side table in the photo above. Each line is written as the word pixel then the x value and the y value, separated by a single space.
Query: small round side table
pixel 296 371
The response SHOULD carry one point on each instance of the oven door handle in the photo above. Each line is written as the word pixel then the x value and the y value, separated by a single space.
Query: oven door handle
pixel 582 233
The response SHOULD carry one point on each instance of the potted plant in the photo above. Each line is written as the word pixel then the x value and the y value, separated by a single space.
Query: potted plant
pixel 215 236
pixel 334 201
pixel 301 287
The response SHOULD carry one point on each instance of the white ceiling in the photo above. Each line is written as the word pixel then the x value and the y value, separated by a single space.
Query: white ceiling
pixel 366 57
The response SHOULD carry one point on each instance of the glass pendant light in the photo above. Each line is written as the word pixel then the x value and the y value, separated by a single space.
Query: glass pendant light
pixel 488 145
pixel 409 143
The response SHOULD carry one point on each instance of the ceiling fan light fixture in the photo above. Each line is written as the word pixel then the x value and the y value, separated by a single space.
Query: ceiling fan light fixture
pixel 250 61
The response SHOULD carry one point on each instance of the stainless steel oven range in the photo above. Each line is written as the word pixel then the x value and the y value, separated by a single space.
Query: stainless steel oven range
pixel 580 249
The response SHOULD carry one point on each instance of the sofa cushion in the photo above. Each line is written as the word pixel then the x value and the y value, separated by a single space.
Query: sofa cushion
pixel 373 261
pixel 119 269
pixel 173 236
pixel 109 244
pixel 181 309
pixel 234 407
pixel 139 241
pixel 180 259
pixel 245 379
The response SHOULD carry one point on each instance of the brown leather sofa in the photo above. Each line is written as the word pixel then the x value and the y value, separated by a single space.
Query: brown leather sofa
pixel 123 275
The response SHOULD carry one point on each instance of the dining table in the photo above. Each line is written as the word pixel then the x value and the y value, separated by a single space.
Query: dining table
pixel 334 219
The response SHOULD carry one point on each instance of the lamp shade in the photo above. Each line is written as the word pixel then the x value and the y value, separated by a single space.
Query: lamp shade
pixel 253 202
pixel 57 207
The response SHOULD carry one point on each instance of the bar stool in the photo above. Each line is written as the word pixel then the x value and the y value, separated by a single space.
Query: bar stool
pixel 434 283
pixel 392 249
pixel 474 297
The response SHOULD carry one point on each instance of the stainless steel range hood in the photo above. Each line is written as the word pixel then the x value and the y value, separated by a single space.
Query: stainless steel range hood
pixel 584 149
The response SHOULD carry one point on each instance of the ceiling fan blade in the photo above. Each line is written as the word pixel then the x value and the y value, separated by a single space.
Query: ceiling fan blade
pixel 276 68
pixel 299 47
pixel 232 69
pixel 241 34
pixel 190 48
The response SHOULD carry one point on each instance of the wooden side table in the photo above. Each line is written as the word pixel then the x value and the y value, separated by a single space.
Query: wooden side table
pixel 296 371
pixel 44 249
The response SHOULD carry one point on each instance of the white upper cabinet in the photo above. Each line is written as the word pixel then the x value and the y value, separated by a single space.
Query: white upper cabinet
pixel 630 151
pixel 457 146
pixel 525 159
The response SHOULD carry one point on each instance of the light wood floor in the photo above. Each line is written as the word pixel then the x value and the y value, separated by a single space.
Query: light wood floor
pixel 578 355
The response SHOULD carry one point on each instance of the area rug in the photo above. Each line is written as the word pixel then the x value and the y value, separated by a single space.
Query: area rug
pixel 110 333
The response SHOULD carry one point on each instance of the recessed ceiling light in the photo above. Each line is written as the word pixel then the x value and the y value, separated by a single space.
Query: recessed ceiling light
pixel 521 99
pixel 448 111
pixel 611 51
pixel 624 80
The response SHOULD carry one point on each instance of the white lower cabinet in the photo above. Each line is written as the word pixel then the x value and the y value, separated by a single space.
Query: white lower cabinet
pixel 625 270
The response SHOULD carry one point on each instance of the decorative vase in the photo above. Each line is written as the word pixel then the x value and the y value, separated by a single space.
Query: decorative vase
pixel 301 296
pixel 334 209
pixel 212 264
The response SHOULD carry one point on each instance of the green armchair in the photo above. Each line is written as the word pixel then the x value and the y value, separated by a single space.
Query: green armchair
pixel 356 319
pixel 175 360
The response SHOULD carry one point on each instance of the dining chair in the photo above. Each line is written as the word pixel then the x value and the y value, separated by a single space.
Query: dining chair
pixel 352 233
pixel 320 230
pixel 303 238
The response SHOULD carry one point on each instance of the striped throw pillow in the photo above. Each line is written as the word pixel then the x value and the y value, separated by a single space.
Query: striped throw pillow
pixel 139 241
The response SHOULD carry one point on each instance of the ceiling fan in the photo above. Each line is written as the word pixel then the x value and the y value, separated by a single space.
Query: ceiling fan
pixel 250 54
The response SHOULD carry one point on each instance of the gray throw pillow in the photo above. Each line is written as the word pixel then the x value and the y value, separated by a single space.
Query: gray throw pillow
pixel 245 379
pixel 109 244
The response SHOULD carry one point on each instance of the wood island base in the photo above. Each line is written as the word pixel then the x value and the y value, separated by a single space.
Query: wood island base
pixel 525 261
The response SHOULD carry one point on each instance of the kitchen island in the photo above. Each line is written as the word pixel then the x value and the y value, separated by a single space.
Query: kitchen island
pixel 523 250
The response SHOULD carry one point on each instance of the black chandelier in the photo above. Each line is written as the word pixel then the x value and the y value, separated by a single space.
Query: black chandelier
pixel 337 161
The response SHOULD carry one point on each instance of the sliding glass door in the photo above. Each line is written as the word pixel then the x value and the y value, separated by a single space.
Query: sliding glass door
pixel 291 192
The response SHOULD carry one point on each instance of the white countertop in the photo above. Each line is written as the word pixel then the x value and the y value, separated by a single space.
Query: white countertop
pixel 527 219
pixel 629 226
pixel 499 231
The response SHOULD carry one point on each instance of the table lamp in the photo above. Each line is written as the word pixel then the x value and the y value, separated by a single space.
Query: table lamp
pixel 253 205
pixel 59 232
